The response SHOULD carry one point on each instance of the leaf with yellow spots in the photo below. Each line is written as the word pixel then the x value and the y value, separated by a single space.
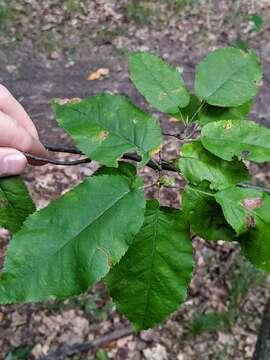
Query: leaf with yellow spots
pixel 66 247
pixel 237 138
pixel 106 126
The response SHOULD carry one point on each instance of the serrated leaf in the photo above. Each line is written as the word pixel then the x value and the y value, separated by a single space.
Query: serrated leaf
pixel 211 113
pixel 228 77
pixel 151 281
pixel 65 248
pixel 197 164
pixel 244 139
pixel 205 214
pixel 106 126
pixel 15 203
pixel 160 83
pixel 248 212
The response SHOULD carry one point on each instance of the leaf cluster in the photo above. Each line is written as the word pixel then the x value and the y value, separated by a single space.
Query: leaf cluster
pixel 105 229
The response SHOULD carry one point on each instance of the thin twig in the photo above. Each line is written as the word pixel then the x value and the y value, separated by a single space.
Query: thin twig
pixel 63 149
pixel 128 156
pixel 66 350
pixel 58 162
pixel 164 165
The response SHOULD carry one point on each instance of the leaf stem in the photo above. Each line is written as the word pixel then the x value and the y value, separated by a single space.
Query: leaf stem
pixel 181 116
pixel 197 111
pixel 200 191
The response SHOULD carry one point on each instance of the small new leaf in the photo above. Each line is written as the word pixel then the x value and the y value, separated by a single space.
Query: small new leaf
pixel 151 280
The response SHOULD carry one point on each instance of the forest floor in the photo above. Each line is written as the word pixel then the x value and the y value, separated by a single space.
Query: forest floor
pixel 48 49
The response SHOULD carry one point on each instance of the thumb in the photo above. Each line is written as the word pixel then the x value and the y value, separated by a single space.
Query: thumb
pixel 12 162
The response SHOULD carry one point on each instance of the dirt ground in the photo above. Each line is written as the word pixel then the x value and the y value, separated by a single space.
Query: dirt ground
pixel 48 49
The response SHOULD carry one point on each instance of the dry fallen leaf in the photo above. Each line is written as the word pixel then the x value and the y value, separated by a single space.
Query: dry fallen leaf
pixel 98 74
pixel 2 316
pixel 68 101
pixel 54 55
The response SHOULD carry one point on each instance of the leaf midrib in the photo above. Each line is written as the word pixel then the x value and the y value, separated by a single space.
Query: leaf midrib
pixel 234 141
pixel 125 140
pixel 161 85
pixel 150 278
pixel 226 80
pixel 99 216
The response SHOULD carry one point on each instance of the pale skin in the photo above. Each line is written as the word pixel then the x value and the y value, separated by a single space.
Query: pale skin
pixel 18 135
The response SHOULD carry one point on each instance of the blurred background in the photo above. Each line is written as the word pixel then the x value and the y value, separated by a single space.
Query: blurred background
pixel 77 48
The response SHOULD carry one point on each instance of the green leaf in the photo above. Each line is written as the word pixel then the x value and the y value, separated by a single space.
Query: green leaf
pixel 15 203
pixel 244 139
pixel 151 280
pixel 65 248
pixel 248 212
pixel 241 44
pixel 211 322
pixel 256 21
pixel 228 77
pixel 197 164
pixel 106 126
pixel 205 214
pixel 160 83
pixel 211 113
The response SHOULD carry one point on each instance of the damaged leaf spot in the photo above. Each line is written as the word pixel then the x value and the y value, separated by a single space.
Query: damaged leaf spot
pixel 228 125
pixel 156 150
pixel 252 204
pixel 162 95
pixel 103 135
pixel 250 222
pixel 68 101
pixel 245 154
pixel 107 255
pixel 3 202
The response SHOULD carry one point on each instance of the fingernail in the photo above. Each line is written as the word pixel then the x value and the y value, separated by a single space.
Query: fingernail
pixel 12 164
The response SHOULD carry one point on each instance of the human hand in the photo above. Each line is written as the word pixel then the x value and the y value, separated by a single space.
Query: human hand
pixel 18 134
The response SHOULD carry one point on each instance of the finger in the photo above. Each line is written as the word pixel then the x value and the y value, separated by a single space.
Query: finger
pixel 15 136
pixel 12 162
pixel 10 106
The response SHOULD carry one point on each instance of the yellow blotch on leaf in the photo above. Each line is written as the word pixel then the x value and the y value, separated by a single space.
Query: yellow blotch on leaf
pixel 228 125
pixel 156 150
pixel 103 135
